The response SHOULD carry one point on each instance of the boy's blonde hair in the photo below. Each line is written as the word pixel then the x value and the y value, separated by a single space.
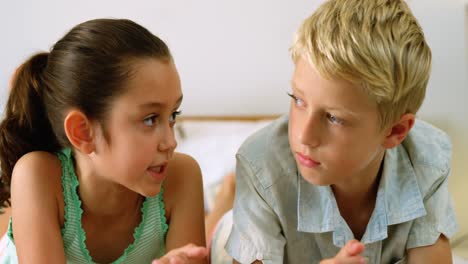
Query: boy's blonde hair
pixel 376 44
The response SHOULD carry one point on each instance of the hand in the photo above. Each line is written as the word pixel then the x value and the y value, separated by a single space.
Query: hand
pixel 183 255
pixel 349 254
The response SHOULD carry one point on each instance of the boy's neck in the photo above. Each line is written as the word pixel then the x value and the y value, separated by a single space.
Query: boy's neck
pixel 362 189
pixel 356 201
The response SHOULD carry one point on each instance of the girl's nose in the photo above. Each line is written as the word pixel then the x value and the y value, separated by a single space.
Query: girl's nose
pixel 168 141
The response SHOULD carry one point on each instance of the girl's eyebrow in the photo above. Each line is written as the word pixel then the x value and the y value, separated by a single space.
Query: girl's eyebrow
pixel 159 104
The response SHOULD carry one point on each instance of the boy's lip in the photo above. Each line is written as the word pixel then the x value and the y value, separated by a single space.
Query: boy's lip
pixel 306 160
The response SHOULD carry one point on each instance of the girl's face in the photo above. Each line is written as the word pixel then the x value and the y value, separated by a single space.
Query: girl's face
pixel 139 136
pixel 334 131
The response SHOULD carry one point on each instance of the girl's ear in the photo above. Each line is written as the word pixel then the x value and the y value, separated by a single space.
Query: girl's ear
pixel 398 131
pixel 79 131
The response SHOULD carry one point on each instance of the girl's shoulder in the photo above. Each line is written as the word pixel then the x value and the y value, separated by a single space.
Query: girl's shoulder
pixel 183 179
pixel 37 210
pixel 38 166
pixel 183 200
pixel 181 162
pixel 183 170
pixel 35 174
pixel 37 162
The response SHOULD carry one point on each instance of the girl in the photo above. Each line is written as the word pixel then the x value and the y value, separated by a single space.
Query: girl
pixel 87 154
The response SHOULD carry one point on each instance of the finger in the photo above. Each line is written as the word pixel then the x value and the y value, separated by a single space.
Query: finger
pixel 172 257
pixel 193 251
pixel 353 260
pixel 196 252
pixel 345 260
pixel 161 261
pixel 179 259
pixel 352 248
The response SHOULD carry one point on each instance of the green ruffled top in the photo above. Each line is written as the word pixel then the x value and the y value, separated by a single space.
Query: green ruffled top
pixel 149 236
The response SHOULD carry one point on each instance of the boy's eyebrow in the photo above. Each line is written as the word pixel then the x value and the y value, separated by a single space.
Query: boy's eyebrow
pixel 344 110
pixel 294 87
pixel 341 109
pixel 159 104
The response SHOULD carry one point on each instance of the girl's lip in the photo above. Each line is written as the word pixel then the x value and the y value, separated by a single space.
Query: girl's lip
pixel 306 160
pixel 158 172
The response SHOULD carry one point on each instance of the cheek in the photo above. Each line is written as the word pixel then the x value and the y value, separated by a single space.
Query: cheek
pixel 342 150
pixel 294 125
pixel 353 158
pixel 130 145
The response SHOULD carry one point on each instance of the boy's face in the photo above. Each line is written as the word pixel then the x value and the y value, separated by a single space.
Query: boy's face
pixel 334 130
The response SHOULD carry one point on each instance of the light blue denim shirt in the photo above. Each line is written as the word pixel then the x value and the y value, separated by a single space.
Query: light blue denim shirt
pixel 281 218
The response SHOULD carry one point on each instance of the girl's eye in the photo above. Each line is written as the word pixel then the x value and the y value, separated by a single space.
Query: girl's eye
pixel 150 120
pixel 174 116
pixel 333 119
pixel 297 101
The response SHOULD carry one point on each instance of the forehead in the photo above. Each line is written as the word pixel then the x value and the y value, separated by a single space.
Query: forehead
pixel 152 80
pixel 309 83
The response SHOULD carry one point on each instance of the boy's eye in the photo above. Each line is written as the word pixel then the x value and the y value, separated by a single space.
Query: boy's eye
pixel 150 120
pixel 297 101
pixel 333 119
pixel 174 116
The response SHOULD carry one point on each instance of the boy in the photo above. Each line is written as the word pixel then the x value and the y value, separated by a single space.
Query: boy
pixel 350 162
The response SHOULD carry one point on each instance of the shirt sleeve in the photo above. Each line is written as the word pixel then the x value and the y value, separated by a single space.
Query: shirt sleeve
pixel 440 217
pixel 256 232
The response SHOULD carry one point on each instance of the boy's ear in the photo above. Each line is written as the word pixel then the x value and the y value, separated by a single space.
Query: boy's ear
pixel 79 131
pixel 398 131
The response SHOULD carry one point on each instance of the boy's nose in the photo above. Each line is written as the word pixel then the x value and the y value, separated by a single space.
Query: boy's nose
pixel 310 132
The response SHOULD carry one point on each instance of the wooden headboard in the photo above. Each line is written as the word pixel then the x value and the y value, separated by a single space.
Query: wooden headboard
pixel 249 118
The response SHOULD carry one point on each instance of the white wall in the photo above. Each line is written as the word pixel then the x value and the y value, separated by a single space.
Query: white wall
pixel 233 52
pixel 233 55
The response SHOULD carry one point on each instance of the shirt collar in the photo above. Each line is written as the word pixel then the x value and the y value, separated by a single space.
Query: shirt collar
pixel 398 200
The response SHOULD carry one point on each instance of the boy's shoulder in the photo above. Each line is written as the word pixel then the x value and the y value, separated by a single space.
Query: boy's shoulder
pixel 261 140
pixel 424 156
pixel 428 146
pixel 267 152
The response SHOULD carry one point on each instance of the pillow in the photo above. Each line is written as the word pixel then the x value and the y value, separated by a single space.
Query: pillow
pixel 214 145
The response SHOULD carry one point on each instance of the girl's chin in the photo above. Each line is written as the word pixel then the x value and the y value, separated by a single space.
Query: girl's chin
pixel 150 192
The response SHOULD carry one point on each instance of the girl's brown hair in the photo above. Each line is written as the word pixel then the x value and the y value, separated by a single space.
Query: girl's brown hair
pixel 85 70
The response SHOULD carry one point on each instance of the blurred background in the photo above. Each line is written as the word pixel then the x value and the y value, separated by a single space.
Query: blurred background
pixel 233 56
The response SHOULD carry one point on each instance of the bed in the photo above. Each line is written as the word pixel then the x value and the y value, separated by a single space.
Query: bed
pixel 213 142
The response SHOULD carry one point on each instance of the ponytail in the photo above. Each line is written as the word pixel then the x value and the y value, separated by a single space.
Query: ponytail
pixel 85 70
pixel 25 127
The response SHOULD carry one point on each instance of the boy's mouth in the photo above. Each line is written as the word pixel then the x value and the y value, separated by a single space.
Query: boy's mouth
pixel 306 160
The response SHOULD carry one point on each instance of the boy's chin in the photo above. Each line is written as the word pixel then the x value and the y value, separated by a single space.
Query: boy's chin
pixel 314 178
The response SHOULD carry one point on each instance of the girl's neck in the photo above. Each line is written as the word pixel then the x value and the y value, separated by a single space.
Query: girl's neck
pixel 101 197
